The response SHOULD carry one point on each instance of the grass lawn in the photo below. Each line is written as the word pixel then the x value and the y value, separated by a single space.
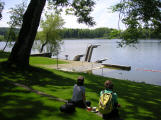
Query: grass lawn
pixel 138 101
pixel 44 61
pixel 36 61
pixel 3 56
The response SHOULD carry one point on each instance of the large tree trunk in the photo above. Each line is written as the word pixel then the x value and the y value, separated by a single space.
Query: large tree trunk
pixel 21 51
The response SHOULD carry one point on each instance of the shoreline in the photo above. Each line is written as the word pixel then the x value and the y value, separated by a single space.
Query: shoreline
pixel 75 66
pixel 85 67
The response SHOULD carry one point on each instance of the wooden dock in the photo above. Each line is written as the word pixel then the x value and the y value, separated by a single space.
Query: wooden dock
pixel 118 66
pixel 42 55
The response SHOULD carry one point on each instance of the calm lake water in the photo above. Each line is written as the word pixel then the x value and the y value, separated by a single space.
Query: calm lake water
pixel 144 58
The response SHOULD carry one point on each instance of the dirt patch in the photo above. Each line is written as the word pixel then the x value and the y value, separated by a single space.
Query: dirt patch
pixel 75 66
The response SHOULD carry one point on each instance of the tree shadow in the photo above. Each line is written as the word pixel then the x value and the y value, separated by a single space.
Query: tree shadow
pixel 4 54
pixel 18 103
pixel 138 100
pixel 34 76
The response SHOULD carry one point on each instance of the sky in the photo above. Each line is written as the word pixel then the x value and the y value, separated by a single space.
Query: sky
pixel 101 14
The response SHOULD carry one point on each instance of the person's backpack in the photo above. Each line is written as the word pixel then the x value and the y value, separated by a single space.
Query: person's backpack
pixel 68 107
pixel 105 103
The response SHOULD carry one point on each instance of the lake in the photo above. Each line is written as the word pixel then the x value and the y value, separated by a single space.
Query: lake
pixel 144 58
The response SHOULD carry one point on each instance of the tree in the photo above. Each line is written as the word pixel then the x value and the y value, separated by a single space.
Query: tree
pixel 16 15
pixel 1 8
pixel 114 34
pixel 16 19
pixel 1 37
pixel 140 11
pixel 50 34
pixel 21 51
pixel 136 14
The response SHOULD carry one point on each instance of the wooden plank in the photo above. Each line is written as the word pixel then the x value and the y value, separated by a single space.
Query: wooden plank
pixel 118 66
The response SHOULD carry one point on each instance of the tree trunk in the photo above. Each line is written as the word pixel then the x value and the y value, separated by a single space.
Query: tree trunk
pixel 42 47
pixel 5 46
pixel 8 38
pixel 21 51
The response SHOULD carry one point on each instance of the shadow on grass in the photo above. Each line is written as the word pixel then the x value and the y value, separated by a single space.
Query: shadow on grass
pixel 33 76
pixel 4 54
pixel 138 101
pixel 20 104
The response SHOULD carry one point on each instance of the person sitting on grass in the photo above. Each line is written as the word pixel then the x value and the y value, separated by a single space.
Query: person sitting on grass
pixel 109 89
pixel 79 97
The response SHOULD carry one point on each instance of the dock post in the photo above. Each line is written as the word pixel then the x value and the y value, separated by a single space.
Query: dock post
pixel 91 51
pixel 87 52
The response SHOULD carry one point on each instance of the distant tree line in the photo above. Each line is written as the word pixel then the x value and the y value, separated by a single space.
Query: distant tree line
pixel 1 8
pixel 149 33
pixel 4 32
pixel 90 33
pixel 108 33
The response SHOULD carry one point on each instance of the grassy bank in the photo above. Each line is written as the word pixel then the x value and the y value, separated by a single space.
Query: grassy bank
pixel 138 101
pixel 3 56
pixel 36 61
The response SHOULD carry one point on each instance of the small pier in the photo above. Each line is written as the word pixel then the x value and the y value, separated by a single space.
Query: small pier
pixel 128 68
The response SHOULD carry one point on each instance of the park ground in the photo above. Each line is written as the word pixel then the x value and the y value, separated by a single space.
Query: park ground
pixel 139 101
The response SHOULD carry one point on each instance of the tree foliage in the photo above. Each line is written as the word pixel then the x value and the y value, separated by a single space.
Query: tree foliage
pixel 1 8
pixel 4 30
pixel 1 38
pixel 80 8
pixel 22 48
pixel 108 33
pixel 16 19
pixel 16 15
pixel 50 34
pixel 136 14
pixel 21 52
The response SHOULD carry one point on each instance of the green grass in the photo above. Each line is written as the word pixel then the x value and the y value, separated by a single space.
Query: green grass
pixel 34 60
pixel 138 101
pixel 18 103
pixel 44 61
pixel 3 56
